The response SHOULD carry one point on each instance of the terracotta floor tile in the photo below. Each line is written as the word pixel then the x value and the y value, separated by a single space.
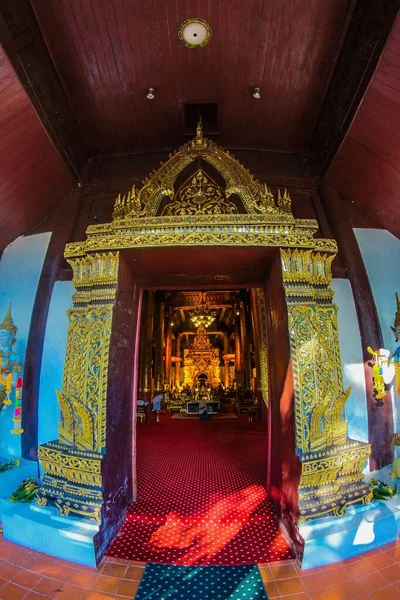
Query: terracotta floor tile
pixel 266 574
pixel 12 592
pixel 328 593
pixel 82 579
pixel 393 553
pixel 127 587
pixel 71 592
pixel 284 571
pixel 350 590
pixel 302 596
pixel 360 568
pixel 41 566
pixel 60 573
pixel 387 593
pixel 5 551
pixel 25 560
pixel 48 587
pixel 293 585
pixel 114 570
pixel 271 589
pixel 93 595
pixel 27 579
pixel 373 581
pixel 379 561
pixel 9 571
pixel 315 581
pixel 338 575
pixel 135 573
pixel 392 573
pixel 34 596
pixel 106 584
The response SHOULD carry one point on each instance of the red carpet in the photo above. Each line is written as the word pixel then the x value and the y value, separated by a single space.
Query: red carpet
pixel 201 496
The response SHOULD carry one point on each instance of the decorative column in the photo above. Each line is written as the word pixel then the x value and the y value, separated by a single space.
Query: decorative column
pixel 246 361
pixel 238 362
pixel 168 353
pixel 72 479
pixel 159 348
pixel 331 476
pixel 178 362
pixel 146 345
pixel 260 341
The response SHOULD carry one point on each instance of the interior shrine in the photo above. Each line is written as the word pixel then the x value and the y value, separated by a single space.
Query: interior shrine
pixel 203 347
pixel 199 299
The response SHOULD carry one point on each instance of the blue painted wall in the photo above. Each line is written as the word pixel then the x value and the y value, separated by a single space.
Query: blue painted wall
pixel 20 269
pixel 352 360
pixel 53 360
pixel 381 254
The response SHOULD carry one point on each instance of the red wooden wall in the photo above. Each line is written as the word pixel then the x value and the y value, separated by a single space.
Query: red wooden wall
pixel 366 170
pixel 33 180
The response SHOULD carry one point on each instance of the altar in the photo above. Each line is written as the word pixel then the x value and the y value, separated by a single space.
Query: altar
pixel 203 360
pixel 193 407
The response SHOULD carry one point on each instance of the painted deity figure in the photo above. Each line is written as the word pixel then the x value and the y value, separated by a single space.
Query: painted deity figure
pixel 10 370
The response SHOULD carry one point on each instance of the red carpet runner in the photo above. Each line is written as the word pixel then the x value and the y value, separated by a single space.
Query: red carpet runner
pixel 201 496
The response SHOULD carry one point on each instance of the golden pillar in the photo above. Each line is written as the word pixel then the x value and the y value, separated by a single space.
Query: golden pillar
pixel 331 463
pixel 178 362
pixel 246 359
pixel 72 464
pixel 159 346
pixel 168 352
pixel 238 362
pixel 146 345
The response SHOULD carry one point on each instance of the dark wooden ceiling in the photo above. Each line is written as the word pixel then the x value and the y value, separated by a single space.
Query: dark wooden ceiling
pixel 33 178
pixel 108 53
pixel 366 170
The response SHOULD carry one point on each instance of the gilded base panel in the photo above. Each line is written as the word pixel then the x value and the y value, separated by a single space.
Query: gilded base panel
pixel 331 480
pixel 72 480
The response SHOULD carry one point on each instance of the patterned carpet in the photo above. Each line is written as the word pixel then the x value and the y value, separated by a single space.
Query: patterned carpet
pixel 201 496
pixel 162 582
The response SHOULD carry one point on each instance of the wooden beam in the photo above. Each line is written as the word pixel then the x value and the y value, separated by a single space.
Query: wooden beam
pixel 25 47
pixel 368 31
pixel 53 263
pixel 380 420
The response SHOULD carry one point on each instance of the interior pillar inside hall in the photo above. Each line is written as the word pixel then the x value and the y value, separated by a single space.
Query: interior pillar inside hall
pixel 178 363
pixel 168 352
pixel 246 359
pixel 146 345
pixel 256 336
pixel 238 358
pixel 159 323
pixel 226 360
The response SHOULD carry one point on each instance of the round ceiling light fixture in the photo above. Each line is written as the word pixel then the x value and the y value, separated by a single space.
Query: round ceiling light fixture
pixel 195 33
pixel 150 94
pixel 257 93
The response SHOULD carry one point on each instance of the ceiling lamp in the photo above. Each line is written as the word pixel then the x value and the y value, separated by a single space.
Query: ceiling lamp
pixel 150 94
pixel 202 316
pixel 257 93
pixel 194 33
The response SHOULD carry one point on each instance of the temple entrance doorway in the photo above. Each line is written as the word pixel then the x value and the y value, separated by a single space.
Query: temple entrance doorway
pixel 202 454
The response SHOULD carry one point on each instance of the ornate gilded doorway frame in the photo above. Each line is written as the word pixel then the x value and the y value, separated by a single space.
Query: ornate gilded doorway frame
pixel 204 213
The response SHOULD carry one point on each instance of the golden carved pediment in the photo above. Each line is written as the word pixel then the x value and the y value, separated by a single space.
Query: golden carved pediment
pixel 199 195
pixel 256 197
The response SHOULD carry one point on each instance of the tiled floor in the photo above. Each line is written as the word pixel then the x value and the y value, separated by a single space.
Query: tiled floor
pixel 26 575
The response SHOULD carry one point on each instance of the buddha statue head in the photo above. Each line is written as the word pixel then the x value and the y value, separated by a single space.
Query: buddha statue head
pixel 7 333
